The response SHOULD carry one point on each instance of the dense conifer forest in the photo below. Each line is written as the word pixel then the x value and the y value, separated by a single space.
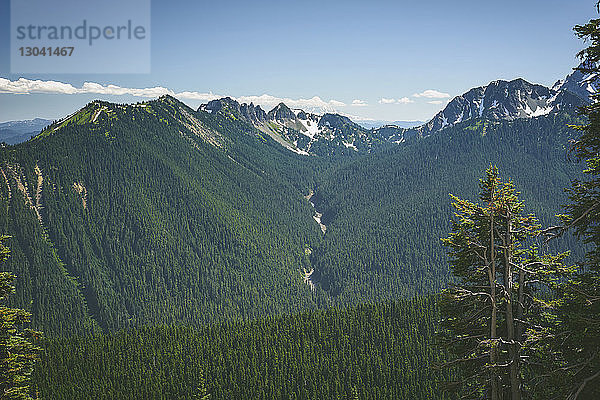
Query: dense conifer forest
pixel 138 226
pixel 381 351
pixel 387 211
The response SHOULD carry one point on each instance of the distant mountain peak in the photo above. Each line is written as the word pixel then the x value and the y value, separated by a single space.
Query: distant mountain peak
pixel 304 131
pixel 518 98
pixel 281 112
pixel 335 120
pixel 220 104
pixel 13 132
pixel 167 98
pixel 295 129
pixel 227 105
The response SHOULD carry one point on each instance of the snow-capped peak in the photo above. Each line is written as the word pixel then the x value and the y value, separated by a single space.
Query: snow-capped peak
pixel 514 99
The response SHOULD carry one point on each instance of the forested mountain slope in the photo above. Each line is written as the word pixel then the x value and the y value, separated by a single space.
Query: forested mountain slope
pixel 386 212
pixel 149 213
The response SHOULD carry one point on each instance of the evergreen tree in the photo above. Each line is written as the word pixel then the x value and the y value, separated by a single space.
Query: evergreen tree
pixel 18 353
pixel 575 347
pixel 487 312
pixel 370 352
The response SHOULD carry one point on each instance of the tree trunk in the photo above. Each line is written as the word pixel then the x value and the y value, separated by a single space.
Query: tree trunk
pixel 493 320
pixel 513 347
pixel 519 331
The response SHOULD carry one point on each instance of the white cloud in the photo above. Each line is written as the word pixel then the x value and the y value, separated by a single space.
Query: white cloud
pixel 403 100
pixel 359 103
pixel 96 88
pixel 23 86
pixel 267 101
pixel 435 102
pixel 336 103
pixel 205 97
pixel 27 86
pixel 432 94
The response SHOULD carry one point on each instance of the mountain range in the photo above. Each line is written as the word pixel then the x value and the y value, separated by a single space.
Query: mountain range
pixel 13 132
pixel 307 133
pixel 122 215
pixel 372 123
pixel 509 100
pixel 330 133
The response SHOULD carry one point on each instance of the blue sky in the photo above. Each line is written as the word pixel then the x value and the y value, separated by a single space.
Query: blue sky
pixel 377 54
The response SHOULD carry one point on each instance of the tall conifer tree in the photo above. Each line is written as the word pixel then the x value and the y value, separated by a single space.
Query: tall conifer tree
pixel 488 311
pixel 575 372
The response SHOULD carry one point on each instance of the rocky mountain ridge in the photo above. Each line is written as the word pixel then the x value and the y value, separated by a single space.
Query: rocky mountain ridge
pixel 332 133
pixel 510 100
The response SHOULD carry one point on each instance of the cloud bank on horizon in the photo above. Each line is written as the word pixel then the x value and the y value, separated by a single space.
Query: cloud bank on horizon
pixel 23 86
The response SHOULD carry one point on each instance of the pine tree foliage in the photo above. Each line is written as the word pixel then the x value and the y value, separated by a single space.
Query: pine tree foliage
pixel 573 370
pixel 18 349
